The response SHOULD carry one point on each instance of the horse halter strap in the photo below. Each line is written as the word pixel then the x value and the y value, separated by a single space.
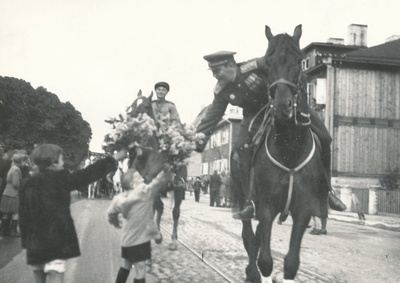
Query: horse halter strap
pixel 298 90
pixel 290 171
pixel 283 81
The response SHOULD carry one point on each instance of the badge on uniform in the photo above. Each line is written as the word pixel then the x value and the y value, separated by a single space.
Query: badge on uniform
pixel 248 66
pixel 232 96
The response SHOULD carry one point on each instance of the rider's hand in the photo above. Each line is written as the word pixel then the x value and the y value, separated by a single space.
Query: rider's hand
pixel 120 155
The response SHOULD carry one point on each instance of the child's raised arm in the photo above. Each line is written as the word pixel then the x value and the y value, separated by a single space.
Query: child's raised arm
pixel 160 180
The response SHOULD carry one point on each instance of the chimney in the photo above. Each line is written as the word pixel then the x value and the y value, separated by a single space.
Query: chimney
pixel 334 40
pixel 357 35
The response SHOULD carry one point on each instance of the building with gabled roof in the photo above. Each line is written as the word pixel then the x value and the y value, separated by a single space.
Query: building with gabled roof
pixel 358 92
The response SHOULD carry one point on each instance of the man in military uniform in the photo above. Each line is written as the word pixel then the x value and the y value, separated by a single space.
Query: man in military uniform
pixel 243 85
pixel 165 114
pixel 165 111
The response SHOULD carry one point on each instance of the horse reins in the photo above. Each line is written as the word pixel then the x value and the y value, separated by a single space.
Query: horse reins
pixel 291 172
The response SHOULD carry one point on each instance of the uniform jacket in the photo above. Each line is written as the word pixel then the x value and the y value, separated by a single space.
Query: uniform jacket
pixel 47 228
pixel 166 109
pixel 249 90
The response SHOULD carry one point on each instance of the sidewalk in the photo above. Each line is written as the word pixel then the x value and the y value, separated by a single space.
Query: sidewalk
pixel 378 221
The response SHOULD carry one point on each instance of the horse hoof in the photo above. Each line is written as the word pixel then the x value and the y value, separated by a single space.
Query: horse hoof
pixel 159 239
pixel 173 246
pixel 252 275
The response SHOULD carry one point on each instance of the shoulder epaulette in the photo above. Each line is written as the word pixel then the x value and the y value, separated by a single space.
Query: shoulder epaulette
pixel 248 66
pixel 169 102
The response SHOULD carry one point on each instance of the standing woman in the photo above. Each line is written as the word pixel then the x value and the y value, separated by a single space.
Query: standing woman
pixel 10 202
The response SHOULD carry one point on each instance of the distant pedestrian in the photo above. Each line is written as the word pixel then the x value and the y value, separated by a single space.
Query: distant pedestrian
pixel 47 229
pixel 5 165
pixel 190 183
pixel 215 185
pixel 320 221
pixel 9 205
pixel 206 184
pixel 136 207
pixel 197 189
pixel 357 205
pixel 224 190
pixel 316 226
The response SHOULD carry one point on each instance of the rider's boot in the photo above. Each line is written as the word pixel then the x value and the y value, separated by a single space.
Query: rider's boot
pixel 248 212
pixel 334 202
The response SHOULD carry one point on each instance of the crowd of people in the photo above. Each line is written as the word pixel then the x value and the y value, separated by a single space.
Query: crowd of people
pixel 217 186
pixel 13 169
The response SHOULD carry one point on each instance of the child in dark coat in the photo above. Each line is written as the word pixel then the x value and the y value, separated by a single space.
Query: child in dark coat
pixel 47 229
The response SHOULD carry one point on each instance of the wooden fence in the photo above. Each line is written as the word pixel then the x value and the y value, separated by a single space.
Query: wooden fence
pixel 389 201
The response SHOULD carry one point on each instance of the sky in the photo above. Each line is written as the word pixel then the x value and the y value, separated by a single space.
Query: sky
pixel 97 54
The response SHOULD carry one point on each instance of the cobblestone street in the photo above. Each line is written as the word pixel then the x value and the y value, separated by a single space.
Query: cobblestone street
pixel 210 249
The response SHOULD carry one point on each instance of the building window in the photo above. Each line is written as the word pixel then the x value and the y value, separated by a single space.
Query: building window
pixel 208 145
pixel 224 165
pixel 305 63
pixel 217 139
pixel 320 93
pixel 204 168
pixel 225 137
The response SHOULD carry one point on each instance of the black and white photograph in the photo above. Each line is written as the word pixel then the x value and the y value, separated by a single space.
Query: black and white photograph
pixel 178 141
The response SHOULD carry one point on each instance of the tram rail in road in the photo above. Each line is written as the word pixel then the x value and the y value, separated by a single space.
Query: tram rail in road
pixel 224 233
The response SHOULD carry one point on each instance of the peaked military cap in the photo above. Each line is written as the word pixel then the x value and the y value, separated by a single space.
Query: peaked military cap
pixel 219 58
pixel 163 84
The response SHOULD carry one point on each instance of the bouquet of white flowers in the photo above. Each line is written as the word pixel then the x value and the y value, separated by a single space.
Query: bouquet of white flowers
pixel 177 142
pixel 128 131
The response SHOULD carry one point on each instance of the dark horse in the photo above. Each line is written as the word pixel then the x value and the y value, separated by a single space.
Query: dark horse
pixel 287 168
pixel 148 160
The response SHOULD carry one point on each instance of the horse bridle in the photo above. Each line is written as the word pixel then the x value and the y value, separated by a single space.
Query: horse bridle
pixel 296 98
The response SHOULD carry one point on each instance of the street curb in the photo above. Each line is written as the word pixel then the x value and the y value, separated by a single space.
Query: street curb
pixel 374 224
pixel 351 220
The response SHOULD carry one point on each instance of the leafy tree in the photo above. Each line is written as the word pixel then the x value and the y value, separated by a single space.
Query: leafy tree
pixel 390 181
pixel 29 117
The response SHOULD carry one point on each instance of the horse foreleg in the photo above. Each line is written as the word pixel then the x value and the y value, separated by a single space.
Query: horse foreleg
pixel 292 259
pixel 176 211
pixel 158 209
pixel 251 245
pixel 265 261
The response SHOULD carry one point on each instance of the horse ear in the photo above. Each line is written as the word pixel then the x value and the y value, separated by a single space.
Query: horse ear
pixel 139 94
pixel 151 96
pixel 268 33
pixel 297 33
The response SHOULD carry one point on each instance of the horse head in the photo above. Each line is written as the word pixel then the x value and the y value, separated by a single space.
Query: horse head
pixel 141 105
pixel 147 161
pixel 283 65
